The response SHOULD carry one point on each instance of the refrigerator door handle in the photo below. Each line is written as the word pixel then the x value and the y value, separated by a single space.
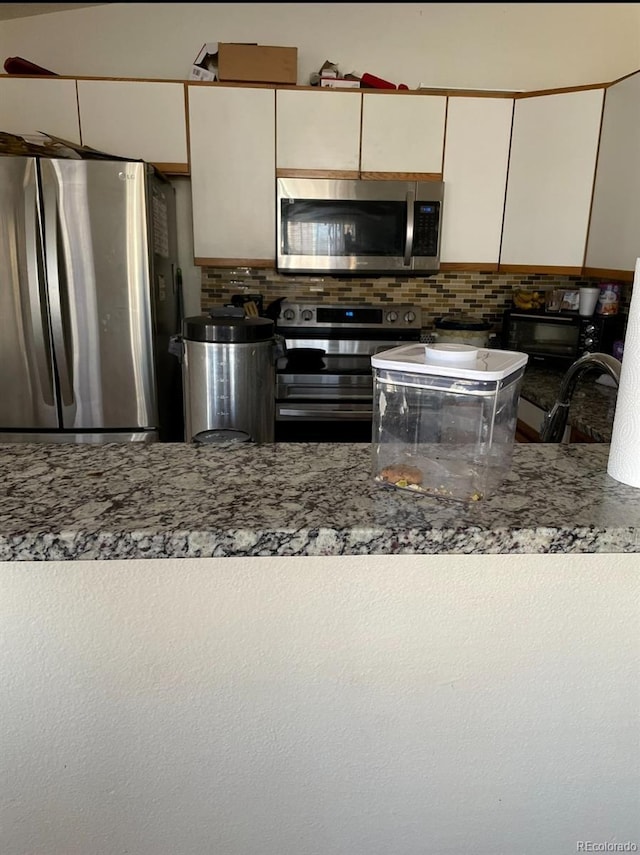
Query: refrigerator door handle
pixel 51 229
pixel 36 291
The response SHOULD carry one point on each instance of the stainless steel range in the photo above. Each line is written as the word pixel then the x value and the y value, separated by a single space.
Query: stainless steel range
pixel 324 383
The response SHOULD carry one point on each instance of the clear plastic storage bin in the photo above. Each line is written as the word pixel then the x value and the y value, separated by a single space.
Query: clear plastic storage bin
pixel 444 418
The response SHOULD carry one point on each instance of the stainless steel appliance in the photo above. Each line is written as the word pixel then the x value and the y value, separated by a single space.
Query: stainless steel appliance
pixel 559 337
pixel 358 226
pixel 229 375
pixel 329 396
pixel 88 302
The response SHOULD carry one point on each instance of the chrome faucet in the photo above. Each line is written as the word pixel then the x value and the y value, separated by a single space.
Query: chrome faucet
pixel 555 421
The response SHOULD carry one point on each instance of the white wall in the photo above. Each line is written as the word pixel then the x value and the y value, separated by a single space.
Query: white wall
pixel 485 45
pixel 191 276
pixel 420 705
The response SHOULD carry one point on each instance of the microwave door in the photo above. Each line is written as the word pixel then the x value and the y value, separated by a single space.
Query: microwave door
pixel 342 235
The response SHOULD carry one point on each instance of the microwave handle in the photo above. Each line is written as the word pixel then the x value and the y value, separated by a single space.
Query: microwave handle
pixel 408 252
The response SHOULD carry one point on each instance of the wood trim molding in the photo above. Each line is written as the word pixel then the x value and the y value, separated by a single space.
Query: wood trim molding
pixel 450 93
pixel 525 433
pixel 537 268
pixel 561 90
pixel 608 273
pixel 173 168
pixel 318 173
pixel 479 267
pixel 235 262
pixel 401 176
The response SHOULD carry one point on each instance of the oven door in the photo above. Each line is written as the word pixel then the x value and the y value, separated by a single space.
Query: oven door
pixel 332 407
pixel 324 421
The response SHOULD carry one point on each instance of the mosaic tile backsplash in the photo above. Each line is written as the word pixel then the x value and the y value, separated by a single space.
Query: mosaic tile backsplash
pixel 482 295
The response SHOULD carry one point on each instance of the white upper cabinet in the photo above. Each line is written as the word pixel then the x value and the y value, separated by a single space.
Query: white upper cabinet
pixel 614 235
pixel 475 176
pixel 550 183
pixel 402 133
pixel 28 106
pixel 137 119
pixel 318 130
pixel 232 135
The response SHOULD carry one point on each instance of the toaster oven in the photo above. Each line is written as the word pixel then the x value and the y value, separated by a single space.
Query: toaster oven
pixel 559 337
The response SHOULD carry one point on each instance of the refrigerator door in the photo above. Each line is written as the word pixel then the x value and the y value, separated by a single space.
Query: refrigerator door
pixel 27 387
pixel 98 272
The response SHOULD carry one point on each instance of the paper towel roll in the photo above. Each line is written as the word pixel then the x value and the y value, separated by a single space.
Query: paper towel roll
pixel 624 452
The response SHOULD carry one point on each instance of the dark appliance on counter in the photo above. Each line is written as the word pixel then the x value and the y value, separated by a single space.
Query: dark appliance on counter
pixel 559 338
pixel 324 382
pixel 353 226
pixel 89 301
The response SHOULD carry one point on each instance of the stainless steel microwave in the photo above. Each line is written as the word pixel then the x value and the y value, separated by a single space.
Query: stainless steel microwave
pixel 354 226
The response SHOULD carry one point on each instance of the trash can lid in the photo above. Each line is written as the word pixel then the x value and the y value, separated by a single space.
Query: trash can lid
pixel 227 325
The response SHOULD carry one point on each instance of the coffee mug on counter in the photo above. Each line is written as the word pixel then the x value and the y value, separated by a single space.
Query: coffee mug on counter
pixel 588 301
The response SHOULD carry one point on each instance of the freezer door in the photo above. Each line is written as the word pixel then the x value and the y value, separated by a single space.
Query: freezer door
pixel 27 388
pixel 98 272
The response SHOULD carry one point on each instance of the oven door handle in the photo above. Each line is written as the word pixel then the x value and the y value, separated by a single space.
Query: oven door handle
pixel 408 251
pixel 330 415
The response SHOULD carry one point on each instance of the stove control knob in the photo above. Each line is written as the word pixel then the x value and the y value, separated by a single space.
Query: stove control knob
pixel 409 317
pixel 588 343
pixel 307 315
pixel 392 316
pixel 288 314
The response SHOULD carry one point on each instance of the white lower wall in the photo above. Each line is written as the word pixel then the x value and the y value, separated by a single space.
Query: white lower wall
pixel 303 706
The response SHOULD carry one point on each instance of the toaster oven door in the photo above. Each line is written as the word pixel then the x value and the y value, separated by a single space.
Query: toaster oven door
pixel 543 337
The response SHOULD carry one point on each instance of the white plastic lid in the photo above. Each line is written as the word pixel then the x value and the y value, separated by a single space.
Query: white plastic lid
pixel 451 354
pixel 486 364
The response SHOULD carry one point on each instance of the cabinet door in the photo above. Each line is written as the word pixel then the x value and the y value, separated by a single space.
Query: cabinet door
pixel 232 140
pixel 318 132
pixel 402 134
pixel 28 106
pixel 550 181
pixel 137 119
pixel 476 158
pixel 614 239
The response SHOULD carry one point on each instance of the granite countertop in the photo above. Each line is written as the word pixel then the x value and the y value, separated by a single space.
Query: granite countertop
pixel 592 405
pixel 164 500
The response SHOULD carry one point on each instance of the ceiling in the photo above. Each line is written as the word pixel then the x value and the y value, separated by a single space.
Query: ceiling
pixel 25 10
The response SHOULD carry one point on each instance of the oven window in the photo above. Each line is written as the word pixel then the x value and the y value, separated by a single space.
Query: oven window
pixel 321 227
pixel 543 337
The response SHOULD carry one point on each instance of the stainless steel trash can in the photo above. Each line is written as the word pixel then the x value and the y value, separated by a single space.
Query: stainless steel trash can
pixel 228 370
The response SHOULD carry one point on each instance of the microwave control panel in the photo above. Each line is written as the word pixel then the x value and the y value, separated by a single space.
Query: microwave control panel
pixel 425 228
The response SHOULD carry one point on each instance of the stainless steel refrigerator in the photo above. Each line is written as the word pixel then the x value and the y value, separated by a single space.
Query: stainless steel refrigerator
pixel 89 299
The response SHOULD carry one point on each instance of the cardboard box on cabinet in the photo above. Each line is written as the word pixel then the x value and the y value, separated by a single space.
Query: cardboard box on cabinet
pixel 257 63
pixel 231 62
pixel 205 65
